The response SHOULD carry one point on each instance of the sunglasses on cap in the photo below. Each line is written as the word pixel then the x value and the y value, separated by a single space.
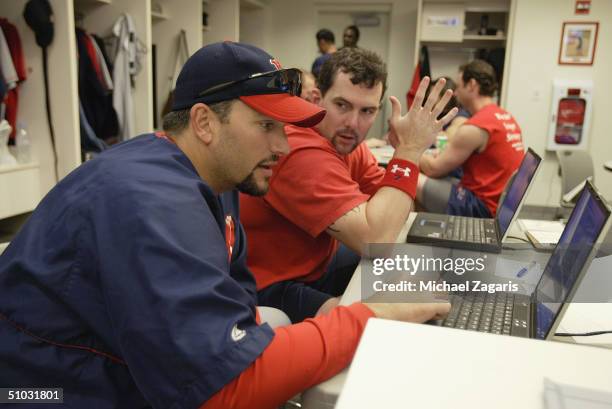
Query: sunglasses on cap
pixel 287 81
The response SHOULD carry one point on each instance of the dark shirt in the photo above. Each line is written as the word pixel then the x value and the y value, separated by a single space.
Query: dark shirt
pixel 318 63
pixel 121 288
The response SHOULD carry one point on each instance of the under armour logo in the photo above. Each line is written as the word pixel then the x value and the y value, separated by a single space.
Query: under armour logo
pixel 237 333
pixel 396 169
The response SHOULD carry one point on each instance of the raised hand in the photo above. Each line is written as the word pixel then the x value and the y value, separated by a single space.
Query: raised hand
pixel 411 134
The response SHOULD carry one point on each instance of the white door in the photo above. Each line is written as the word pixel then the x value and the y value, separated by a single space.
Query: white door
pixel 375 38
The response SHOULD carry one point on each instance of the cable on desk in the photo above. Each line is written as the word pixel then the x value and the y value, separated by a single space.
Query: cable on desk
pixel 518 238
pixel 583 334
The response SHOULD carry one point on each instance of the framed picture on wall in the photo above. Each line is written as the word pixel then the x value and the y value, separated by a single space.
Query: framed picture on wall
pixel 578 43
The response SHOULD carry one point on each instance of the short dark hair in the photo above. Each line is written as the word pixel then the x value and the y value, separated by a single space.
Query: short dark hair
pixel 326 35
pixel 364 66
pixel 355 30
pixel 175 122
pixel 483 73
pixel 452 102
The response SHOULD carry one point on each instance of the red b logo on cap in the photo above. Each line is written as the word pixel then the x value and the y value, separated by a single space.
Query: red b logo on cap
pixel 276 63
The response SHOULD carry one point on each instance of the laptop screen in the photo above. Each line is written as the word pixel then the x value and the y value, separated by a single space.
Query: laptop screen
pixel 568 259
pixel 517 190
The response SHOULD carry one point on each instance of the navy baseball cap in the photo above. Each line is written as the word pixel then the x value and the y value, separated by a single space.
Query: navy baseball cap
pixel 228 70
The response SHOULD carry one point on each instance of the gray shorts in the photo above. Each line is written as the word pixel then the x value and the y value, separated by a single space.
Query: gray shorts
pixel 436 193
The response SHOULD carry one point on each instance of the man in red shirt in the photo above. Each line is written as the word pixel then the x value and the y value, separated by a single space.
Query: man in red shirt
pixel 488 146
pixel 329 188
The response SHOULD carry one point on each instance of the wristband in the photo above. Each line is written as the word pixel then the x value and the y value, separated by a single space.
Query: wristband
pixel 403 175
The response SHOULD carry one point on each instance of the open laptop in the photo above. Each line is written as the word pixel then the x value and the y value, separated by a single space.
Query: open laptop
pixel 538 315
pixel 472 233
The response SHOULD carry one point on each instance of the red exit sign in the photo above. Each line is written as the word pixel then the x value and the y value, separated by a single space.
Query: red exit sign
pixel 583 6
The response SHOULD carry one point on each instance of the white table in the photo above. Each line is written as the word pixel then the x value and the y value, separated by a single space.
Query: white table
pixel 401 365
pixel 324 395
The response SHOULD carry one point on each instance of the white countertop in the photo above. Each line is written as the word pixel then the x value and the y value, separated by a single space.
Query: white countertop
pixel 400 365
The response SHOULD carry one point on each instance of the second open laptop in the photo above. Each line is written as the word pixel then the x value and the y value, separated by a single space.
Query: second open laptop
pixel 539 314
pixel 472 233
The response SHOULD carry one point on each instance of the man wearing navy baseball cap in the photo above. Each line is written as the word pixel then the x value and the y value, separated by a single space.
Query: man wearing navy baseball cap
pixel 128 285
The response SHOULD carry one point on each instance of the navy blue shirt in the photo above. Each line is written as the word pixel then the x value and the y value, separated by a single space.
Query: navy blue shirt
pixel 120 287
pixel 318 63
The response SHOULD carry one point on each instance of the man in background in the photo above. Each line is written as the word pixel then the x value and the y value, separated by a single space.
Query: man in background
pixel 350 37
pixel 488 146
pixel 326 42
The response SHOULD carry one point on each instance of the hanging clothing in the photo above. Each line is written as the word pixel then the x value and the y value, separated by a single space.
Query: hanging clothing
pixel 15 49
pixel 89 141
pixel 3 91
pixel 105 76
pixel 126 65
pixel 421 71
pixel 95 96
pixel 14 43
pixel 93 57
pixel 103 49
pixel 6 63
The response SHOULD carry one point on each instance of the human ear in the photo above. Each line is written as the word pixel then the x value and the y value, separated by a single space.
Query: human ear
pixel 204 122
pixel 316 96
pixel 474 86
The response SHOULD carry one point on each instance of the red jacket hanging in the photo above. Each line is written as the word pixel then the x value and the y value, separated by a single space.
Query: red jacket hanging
pixel 421 71
pixel 12 99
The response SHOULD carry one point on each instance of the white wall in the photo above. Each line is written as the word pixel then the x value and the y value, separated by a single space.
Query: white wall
pixel 182 15
pixel 290 36
pixel 223 20
pixel 62 84
pixel 251 24
pixel 531 69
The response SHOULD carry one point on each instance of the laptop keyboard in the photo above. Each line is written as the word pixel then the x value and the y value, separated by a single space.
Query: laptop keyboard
pixel 468 229
pixel 482 312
